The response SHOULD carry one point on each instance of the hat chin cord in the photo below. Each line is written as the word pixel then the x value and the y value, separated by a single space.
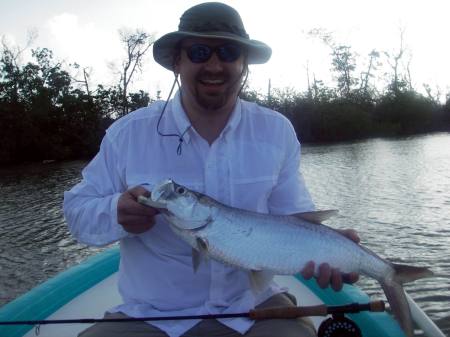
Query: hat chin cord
pixel 176 82
pixel 180 137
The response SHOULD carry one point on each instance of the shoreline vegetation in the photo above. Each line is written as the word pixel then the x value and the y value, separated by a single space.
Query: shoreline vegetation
pixel 48 111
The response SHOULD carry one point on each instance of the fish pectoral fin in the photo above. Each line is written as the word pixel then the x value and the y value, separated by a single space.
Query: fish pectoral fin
pixel 316 217
pixel 199 254
pixel 260 279
pixel 196 259
pixel 202 245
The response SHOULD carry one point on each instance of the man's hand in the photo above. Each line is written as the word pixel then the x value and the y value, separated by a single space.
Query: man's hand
pixel 134 217
pixel 332 276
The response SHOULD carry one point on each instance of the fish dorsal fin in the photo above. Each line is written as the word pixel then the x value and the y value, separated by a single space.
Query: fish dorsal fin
pixel 316 217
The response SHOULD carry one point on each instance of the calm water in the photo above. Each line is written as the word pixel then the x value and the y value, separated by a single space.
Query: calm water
pixel 396 193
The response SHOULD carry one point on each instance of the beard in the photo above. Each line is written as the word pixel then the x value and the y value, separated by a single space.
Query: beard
pixel 217 99
pixel 212 102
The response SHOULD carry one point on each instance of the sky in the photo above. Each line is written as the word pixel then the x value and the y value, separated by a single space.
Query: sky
pixel 86 32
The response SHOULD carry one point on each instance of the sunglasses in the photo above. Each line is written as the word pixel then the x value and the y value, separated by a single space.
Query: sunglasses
pixel 200 53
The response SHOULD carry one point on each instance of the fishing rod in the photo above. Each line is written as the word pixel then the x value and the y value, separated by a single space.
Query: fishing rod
pixel 255 314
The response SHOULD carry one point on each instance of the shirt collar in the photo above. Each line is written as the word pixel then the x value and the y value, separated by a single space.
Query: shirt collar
pixel 234 120
pixel 184 125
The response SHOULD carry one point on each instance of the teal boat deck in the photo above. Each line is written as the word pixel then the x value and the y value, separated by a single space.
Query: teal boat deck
pixel 48 297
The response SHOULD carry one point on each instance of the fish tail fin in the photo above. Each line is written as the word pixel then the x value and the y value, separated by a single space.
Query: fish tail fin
pixel 396 296
pixel 399 305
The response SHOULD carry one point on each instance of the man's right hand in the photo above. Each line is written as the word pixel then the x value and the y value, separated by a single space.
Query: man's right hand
pixel 134 217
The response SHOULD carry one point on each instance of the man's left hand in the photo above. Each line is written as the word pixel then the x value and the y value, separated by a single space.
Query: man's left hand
pixel 329 276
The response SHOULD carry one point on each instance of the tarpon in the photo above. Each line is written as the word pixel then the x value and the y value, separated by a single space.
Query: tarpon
pixel 277 244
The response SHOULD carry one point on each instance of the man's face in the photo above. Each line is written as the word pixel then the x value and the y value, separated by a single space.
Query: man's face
pixel 212 84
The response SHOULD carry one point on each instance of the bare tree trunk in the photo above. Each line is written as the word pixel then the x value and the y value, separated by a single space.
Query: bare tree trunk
pixel 408 72
pixel 395 64
pixel 137 44
pixel 14 53
pixel 86 82
pixel 309 83
pixel 365 81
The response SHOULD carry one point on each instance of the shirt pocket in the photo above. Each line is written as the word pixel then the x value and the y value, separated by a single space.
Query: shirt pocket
pixel 253 193
pixel 253 179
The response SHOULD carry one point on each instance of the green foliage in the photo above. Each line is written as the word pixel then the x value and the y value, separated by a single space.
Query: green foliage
pixel 44 115
pixel 446 116
pixel 322 115
pixel 344 66
pixel 354 109
pixel 138 99
pixel 407 112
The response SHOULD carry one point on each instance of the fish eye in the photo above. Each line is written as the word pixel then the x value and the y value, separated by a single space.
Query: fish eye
pixel 180 190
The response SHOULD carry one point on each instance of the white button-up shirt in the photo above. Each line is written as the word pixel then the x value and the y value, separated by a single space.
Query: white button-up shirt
pixel 253 164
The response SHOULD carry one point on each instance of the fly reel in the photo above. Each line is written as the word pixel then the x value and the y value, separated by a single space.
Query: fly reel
pixel 339 326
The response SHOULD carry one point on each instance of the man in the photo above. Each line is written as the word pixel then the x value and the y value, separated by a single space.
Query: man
pixel 207 139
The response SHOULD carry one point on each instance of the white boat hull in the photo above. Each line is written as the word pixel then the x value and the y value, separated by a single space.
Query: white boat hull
pixel 90 289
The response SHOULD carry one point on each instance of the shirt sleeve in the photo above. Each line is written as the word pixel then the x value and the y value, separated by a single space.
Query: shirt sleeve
pixel 290 194
pixel 90 207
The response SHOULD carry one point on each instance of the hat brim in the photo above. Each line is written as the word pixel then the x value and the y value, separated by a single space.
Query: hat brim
pixel 165 47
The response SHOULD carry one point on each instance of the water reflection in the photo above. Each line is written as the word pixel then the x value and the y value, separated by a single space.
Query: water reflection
pixel 34 241
pixel 396 193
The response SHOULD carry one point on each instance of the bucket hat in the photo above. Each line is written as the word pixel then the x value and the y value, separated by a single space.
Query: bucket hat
pixel 210 20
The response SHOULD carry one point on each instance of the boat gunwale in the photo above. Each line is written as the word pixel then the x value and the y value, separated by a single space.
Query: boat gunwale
pixel 46 298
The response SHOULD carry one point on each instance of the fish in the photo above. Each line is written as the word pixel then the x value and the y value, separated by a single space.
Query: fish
pixel 269 244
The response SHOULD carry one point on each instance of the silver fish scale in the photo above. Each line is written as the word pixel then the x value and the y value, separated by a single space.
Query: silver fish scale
pixel 282 245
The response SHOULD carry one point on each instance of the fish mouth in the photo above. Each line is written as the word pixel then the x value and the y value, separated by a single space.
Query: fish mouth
pixel 162 191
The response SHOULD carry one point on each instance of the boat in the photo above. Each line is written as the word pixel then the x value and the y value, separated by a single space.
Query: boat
pixel 87 290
